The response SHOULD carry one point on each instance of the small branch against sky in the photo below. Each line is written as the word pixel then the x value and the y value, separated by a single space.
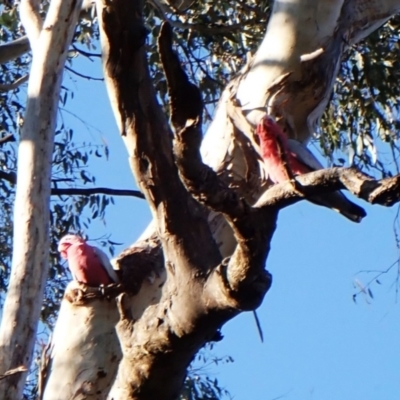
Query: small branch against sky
pixel 86 53
pixel 5 87
pixel 96 190
pixel 6 139
pixel 12 178
pixel 91 78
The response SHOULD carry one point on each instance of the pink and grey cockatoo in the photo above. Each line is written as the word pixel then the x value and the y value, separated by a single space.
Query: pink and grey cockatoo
pixel 88 264
pixel 283 156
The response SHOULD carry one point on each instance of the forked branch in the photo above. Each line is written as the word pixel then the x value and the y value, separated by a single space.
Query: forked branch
pixel 244 279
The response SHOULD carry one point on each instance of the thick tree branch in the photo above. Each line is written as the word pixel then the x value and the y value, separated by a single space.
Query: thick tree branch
pixel 369 15
pixel 186 114
pixel 253 228
pixel 385 192
pixel 189 253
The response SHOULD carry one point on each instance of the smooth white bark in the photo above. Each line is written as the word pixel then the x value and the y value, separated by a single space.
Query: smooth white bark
pixel 84 352
pixel 31 211
pixel 31 20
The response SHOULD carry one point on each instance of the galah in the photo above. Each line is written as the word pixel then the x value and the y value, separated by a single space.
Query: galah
pixel 88 264
pixel 283 157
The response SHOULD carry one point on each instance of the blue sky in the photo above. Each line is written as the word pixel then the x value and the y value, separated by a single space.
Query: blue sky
pixel 318 344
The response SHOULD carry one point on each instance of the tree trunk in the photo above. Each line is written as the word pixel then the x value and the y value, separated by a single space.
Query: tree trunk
pixel 83 361
pixel 31 214
pixel 291 77
pixel 92 352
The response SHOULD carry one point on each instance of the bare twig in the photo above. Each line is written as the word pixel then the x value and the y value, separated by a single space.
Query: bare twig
pixel 86 53
pixel 13 371
pixel 82 75
pixel 11 86
pixel 96 190
pixel 12 178
pixel 8 138
pixel 9 177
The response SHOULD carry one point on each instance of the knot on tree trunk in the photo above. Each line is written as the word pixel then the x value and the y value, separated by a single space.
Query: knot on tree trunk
pixel 247 295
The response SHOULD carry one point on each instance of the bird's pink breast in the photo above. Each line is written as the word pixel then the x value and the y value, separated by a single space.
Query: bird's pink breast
pixel 273 160
pixel 86 266
pixel 269 132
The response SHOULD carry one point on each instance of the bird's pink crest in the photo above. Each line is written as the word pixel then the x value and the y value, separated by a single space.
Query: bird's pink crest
pixel 66 242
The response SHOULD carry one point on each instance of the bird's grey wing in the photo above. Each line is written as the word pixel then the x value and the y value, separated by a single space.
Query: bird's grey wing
pixel 304 154
pixel 106 263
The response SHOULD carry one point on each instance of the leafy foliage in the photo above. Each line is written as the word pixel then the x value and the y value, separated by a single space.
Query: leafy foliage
pixel 213 40
pixel 200 386
pixel 362 118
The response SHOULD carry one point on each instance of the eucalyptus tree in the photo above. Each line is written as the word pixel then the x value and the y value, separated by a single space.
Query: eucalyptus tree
pixel 302 62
